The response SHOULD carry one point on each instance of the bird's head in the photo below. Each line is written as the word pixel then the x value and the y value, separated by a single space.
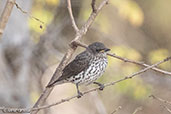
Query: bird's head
pixel 97 48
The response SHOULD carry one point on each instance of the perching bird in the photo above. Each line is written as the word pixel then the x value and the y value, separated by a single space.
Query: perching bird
pixel 86 67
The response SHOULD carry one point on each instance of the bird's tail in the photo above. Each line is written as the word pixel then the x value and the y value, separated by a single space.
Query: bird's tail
pixel 57 82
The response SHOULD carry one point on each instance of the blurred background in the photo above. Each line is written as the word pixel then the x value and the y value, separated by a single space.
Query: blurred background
pixel 136 29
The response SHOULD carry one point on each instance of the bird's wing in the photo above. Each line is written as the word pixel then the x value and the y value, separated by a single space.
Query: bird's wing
pixel 79 64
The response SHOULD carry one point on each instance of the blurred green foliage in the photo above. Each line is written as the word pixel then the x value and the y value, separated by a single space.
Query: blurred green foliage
pixel 129 10
pixel 43 10
pixel 46 17
pixel 52 2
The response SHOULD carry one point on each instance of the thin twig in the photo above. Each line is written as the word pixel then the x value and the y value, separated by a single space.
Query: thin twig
pixel 161 102
pixel 28 110
pixel 137 110
pixel 5 15
pixel 68 55
pixel 160 99
pixel 169 110
pixel 71 16
pixel 117 109
pixel 25 12
pixel 140 63
pixel 139 72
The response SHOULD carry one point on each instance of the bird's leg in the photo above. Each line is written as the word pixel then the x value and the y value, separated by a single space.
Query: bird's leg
pixel 79 93
pixel 101 86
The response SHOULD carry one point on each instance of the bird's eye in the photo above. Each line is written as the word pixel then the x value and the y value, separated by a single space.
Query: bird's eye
pixel 98 50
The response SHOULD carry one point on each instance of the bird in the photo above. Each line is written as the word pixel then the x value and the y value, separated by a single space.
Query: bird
pixel 86 68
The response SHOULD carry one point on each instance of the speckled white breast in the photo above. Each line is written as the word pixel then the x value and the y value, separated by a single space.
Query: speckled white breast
pixel 96 69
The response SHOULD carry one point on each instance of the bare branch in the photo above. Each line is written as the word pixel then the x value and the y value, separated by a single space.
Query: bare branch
pixel 92 18
pixel 7 12
pixel 5 15
pixel 139 72
pixel 140 63
pixel 137 110
pixel 32 17
pixel 72 17
pixel 169 110
pixel 117 109
pixel 93 5
pixel 28 110
pixel 160 99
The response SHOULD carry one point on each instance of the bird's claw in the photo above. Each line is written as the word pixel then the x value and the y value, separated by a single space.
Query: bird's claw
pixel 79 95
pixel 101 87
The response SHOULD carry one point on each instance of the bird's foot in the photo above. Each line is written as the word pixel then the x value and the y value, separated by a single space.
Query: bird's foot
pixel 101 86
pixel 79 94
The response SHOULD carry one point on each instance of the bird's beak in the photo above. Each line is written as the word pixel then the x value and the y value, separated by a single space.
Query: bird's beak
pixel 106 49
